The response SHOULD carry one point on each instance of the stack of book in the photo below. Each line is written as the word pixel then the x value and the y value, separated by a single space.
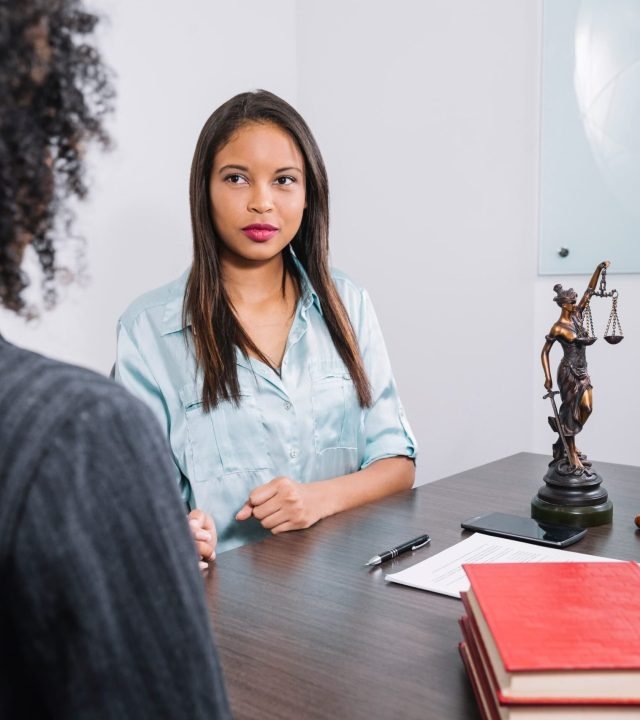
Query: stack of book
pixel 556 641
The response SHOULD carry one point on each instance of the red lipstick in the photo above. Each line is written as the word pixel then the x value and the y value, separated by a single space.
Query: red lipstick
pixel 259 232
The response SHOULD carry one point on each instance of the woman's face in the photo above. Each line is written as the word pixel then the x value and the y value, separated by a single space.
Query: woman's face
pixel 257 193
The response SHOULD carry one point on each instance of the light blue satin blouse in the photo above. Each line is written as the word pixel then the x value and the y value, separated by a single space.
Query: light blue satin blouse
pixel 306 424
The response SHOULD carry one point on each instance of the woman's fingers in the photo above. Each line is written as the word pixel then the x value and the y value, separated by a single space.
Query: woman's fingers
pixel 245 512
pixel 204 533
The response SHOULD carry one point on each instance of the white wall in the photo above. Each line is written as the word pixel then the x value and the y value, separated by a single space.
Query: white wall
pixel 427 114
pixel 175 63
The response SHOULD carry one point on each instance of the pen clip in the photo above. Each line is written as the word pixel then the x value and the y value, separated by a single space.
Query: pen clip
pixel 422 544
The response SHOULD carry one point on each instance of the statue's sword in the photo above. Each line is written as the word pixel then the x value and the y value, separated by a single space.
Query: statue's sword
pixel 551 395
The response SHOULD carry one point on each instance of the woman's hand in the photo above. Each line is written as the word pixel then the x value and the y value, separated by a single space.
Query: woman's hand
pixel 281 505
pixel 548 384
pixel 205 536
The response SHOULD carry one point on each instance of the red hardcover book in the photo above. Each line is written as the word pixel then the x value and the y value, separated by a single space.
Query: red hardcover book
pixel 485 703
pixel 491 709
pixel 553 633
pixel 480 683
pixel 487 680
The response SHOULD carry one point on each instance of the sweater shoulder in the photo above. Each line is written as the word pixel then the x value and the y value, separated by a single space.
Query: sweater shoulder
pixel 38 392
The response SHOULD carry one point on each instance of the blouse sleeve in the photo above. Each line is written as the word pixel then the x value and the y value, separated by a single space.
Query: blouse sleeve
pixel 132 371
pixel 387 430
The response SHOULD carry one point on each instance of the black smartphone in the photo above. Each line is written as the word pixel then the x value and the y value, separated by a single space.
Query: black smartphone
pixel 524 528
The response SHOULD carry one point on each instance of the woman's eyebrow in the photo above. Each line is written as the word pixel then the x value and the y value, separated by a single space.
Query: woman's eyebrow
pixel 244 168
pixel 234 167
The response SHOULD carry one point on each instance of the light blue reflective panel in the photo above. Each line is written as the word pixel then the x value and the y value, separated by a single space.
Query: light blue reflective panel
pixel 590 147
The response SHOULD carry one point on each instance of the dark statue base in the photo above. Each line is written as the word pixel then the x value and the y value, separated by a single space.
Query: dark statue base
pixel 572 498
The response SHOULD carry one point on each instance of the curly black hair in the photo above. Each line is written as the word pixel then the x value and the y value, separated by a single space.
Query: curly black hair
pixel 54 94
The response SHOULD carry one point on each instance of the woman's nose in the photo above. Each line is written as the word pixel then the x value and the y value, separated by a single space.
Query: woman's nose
pixel 260 200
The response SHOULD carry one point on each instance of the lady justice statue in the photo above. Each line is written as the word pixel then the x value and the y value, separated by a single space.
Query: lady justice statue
pixel 573 493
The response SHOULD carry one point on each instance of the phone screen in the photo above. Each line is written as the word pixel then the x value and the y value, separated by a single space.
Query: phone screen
pixel 523 528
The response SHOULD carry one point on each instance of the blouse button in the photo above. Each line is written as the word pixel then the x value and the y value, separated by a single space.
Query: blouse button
pixel 293 453
pixel 287 405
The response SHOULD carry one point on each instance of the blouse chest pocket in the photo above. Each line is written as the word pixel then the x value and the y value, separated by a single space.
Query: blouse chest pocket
pixel 228 439
pixel 336 411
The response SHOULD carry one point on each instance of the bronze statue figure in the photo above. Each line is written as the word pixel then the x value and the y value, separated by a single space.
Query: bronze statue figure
pixel 573 493
pixel 573 379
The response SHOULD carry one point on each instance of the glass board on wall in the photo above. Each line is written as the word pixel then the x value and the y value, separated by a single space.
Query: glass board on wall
pixel 590 147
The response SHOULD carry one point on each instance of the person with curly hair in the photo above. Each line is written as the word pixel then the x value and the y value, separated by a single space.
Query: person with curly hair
pixel 102 608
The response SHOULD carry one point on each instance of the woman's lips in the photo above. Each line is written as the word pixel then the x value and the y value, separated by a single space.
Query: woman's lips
pixel 259 232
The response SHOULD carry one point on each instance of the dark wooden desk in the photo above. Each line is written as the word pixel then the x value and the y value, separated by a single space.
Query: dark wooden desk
pixel 305 631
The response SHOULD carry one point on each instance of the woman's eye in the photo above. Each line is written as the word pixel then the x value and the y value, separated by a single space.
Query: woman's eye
pixel 235 179
pixel 285 180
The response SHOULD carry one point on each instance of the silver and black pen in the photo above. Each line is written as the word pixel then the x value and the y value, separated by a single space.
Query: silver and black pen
pixel 414 544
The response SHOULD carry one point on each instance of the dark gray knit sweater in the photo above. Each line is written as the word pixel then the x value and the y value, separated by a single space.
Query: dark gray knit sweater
pixel 102 608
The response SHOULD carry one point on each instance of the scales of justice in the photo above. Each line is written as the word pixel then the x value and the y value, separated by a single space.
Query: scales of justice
pixel 573 493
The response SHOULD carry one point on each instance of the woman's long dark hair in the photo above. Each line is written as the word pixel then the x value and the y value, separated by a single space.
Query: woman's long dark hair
pixel 54 91
pixel 216 329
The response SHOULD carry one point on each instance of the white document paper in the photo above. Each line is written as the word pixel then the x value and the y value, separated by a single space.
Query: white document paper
pixel 443 573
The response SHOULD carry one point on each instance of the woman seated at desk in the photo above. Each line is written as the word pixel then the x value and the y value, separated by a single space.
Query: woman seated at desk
pixel 268 372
